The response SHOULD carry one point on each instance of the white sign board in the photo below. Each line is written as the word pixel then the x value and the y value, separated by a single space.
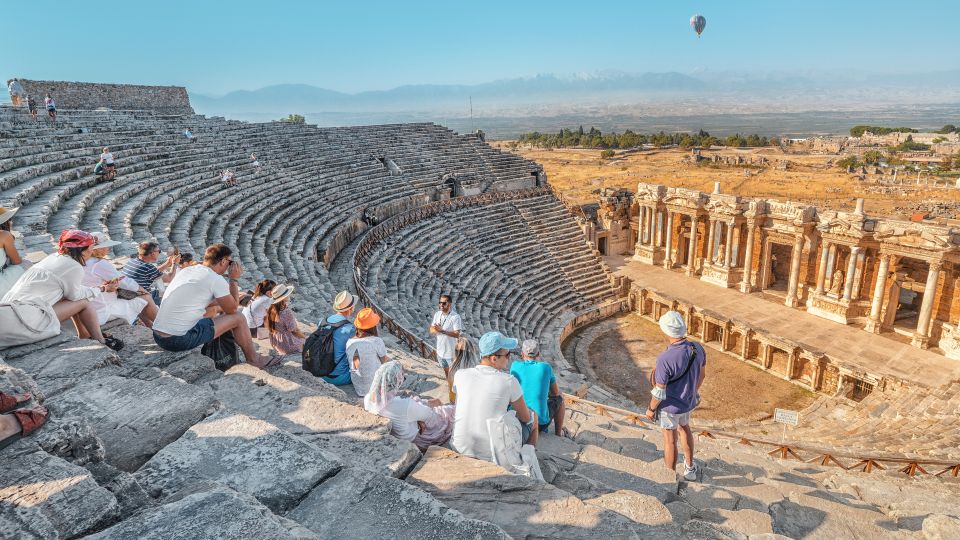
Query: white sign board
pixel 785 416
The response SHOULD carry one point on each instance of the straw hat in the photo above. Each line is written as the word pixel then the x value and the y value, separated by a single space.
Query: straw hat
pixel 344 301
pixel 101 241
pixel 366 319
pixel 280 293
pixel 6 214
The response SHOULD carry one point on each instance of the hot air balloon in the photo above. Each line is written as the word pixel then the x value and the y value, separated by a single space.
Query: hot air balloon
pixel 698 23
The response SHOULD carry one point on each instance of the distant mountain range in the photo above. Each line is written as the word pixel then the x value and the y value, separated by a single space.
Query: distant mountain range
pixel 588 95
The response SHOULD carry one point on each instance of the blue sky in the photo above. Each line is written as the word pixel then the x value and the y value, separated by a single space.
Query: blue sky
pixel 214 47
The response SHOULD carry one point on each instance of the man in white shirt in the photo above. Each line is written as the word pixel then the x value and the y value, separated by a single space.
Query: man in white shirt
pixel 446 325
pixel 484 392
pixel 182 322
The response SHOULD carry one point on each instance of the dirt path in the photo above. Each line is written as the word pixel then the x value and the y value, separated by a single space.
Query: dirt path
pixel 623 356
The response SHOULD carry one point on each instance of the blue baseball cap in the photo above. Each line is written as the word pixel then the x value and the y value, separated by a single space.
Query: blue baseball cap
pixel 492 342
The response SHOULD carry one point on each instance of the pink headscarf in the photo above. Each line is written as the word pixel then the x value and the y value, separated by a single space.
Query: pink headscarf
pixel 74 238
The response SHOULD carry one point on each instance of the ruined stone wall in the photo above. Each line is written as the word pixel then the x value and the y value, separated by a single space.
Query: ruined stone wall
pixel 90 96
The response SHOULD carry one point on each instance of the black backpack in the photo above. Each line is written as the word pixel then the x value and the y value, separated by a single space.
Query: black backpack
pixel 318 350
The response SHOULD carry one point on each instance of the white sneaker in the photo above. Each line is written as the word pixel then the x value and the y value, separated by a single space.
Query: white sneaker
pixel 690 473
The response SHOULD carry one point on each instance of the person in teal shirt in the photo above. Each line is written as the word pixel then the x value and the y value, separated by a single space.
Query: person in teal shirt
pixel 540 389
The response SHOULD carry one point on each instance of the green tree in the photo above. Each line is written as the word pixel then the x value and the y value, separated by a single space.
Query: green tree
pixel 847 162
pixel 872 157
pixel 293 119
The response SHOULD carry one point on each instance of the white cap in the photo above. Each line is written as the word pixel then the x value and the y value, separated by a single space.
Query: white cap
pixel 672 324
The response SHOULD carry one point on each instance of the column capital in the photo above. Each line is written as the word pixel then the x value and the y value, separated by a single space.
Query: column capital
pixel 936 265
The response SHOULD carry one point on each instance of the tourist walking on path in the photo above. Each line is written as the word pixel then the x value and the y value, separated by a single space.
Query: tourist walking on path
pixel 51 106
pixel 145 272
pixel 10 269
pixel 484 393
pixel 137 302
pixel 256 310
pixel 343 306
pixel 285 334
pixel 184 321
pixel 425 422
pixel 446 325
pixel 17 93
pixel 676 381
pixel 52 291
pixel 540 389
pixel 365 351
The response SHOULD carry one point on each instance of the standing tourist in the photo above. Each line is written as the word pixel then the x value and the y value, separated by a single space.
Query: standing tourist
pixel 540 389
pixel 51 106
pixel 10 269
pixel 256 310
pixel 52 291
pixel 365 351
pixel 484 393
pixel 32 106
pixel 145 272
pixel 285 334
pixel 343 306
pixel 676 391
pixel 446 325
pixel 183 322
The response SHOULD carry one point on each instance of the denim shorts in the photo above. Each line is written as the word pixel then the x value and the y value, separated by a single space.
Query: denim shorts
pixel 201 333
pixel 444 362
pixel 526 429
pixel 553 406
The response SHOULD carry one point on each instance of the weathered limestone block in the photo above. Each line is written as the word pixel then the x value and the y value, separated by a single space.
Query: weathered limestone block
pixel 129 493
pixel 59 368
pixel 739 521
pixel 900 496
pixel 70 438
pixel 370 505
pixel 20 351
pixel 821 515
pixel 941 527
pixel 343 430
pixel 244 453
pixel 44 496
pixel 623 472
pixel 217 514
pixel 522 506
pixel 14 380
pixel 194 369
pixel 135 418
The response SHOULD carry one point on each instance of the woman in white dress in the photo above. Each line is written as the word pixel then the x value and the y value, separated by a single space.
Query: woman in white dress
pixel 50 292
pixel 425 422
pixel 10 269
pixel 109 306
pixel 256 310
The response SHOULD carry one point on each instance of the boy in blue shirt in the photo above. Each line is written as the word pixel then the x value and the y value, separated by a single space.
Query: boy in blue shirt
pixel 540 390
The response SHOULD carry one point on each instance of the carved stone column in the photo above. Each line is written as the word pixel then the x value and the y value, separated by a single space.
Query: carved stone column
pixel 745 285
pixel 668 257
pixel 792 284
pixel 711 237
pixel 851 270
pixel 858 274
pixel 873 324
pixel 922 336
pixel 729 245
pixel 692 249
pixel 822 271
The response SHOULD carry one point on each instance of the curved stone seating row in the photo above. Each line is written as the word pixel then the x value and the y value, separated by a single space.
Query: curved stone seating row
pixel 496 259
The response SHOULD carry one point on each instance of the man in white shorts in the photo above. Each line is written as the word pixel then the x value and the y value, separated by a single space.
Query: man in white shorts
pixel 676 391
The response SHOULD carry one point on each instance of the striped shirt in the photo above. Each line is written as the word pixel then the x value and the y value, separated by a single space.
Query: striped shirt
pixel 143 273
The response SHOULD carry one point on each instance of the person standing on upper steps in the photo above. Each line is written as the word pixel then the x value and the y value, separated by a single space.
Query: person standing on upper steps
pixel 446 325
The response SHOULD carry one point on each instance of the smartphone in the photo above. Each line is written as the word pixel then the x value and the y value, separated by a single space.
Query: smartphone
pixel 173 251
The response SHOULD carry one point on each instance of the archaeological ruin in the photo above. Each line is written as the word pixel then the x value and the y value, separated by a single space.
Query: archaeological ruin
pixel 860 311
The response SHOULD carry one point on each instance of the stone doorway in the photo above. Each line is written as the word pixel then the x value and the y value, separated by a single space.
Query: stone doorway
pixel 778 275
pixel 602 246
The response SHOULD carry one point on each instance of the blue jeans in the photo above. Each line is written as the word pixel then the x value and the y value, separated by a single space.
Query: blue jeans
pixel 201 333
pixel 339 380
pixel 156 296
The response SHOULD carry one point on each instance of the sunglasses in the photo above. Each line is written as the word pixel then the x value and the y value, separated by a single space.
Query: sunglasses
pixel 443 303
pixel 507 355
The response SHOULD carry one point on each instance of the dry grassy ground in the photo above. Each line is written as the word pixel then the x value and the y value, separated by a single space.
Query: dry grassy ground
pixel 810 178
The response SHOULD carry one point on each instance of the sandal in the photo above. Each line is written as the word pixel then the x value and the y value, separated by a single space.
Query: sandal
pixel 112 342
pixel 30 420
pixel 273 361
pixel 9 402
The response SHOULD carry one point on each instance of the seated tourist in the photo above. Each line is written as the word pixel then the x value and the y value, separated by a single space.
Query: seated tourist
pixel 285 334
pixel 52 291
pixel 424 422
pixel 10 269
pixel 540 389
pixel 189 134
pixel 228 177
pixel 366 351
pixel 186 259
pixel 110 305
pixel 343 306
pixel 484 393
pixel 16 419
pixel 465 356
pixel 106 158
pixel 254 160
pixel 182 322
pixel 145 272
pixel 256 309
